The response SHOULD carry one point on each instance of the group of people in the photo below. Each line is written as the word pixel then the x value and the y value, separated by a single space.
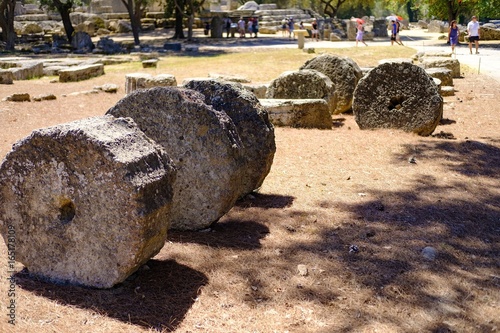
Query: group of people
pixel 288 27
pixel 472 31
pixel 252 26
pixel 395 26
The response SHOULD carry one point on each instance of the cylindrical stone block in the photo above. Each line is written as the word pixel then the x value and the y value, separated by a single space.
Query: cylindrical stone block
pixel 343 72
pixel 134 81
pixel 203 143
pixel 87 201
pixel 398 95
pixel 252 123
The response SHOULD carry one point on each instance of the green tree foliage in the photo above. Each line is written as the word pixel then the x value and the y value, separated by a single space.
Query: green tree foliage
pixel 449 9
pixel 488 9
pixel 331 8
pixel 7 23
pixel 64 8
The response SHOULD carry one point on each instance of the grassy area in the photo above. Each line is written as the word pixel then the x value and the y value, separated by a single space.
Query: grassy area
pixel 260 66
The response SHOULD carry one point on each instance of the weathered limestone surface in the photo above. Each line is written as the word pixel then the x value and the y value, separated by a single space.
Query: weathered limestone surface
pixel 18 97
pixel 447 91
pixel 303 84
pixel 443 74
pixel 26 70
pixel 252 123
pixel 79 73
pixel 412 105
pixel 89 201
pixel 229 77
pixel 160 80
pixel 442 62
pixel 44 97
pixel 343 72
pixel 398 60
pixel 150 63
pixel 259 90
pixel 302 113
pixel 136 81
pixel 203 143
pixel 432 54
pixel 6 77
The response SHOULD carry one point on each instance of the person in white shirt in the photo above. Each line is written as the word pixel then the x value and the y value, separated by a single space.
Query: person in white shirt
pixel 473 32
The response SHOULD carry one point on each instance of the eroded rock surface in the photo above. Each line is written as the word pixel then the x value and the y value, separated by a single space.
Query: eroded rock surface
pixel 343 72
pixel 203 143
pixel 398 95
pixel 252 124
pixel 88 201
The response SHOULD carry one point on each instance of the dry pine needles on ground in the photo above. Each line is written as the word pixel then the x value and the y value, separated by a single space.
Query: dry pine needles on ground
pixel 331 243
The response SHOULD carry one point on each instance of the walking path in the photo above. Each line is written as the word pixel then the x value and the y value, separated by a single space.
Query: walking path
pixel 487 62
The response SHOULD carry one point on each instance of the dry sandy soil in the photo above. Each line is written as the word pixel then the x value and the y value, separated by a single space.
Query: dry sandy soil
pixel 327 190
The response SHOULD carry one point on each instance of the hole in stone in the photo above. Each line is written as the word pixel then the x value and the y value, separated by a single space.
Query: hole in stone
pixel 66 211
pixel 396 103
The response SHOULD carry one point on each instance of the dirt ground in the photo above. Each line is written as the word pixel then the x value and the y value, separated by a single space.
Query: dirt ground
pixel 345 204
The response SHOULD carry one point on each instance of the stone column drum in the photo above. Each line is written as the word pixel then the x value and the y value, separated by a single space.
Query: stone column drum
pixel 204 144
pixel 252 124
pixel 398 95
pixel 88 202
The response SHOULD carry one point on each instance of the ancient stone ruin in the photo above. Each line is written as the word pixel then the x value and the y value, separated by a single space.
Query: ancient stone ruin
pixel 343 72
pixel 89 200
pixel 303 84
pixel 398 95
pixel 299 113
pixel 252 124
pixel 134 81
pixel 204 144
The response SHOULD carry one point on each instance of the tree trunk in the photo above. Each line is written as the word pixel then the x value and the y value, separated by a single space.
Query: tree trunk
pixel 190 26
pixel 7 23
pixel 179 33
pixel 68 26
pixel 136 22
pixel 409 10
pixel 452 10
pixel 135 14
pixel 330 8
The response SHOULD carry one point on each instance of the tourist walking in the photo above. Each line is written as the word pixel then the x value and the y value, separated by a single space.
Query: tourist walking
pixel 394 30
pixel 241 27
pixel 291 27
pixel 255 27
pixel 453 35
pixel 228 26
pixel 473 32
pixel 250 26
pixel 314 32
pixel 284 27
pixel 398 39
pixel 359 34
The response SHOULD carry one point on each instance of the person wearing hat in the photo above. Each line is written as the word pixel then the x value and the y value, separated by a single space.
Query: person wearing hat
pixel 473 32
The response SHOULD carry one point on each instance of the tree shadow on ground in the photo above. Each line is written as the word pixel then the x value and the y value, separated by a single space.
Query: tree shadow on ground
pixel 381 245
pixel 265 201
pixel 338 122
pixel 447 121
pixel 236 234
pixel 206 53
pixel 157 298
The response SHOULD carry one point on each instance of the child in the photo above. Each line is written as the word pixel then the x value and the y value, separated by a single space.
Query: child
pixel 359 34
